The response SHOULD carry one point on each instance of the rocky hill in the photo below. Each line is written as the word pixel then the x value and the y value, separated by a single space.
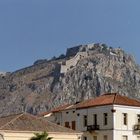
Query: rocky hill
pixel 85 71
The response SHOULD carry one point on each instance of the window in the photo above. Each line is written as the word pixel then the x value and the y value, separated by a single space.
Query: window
pixel 138 118
pixel 85 138
pixel 105 118
pixel 85 120
pixel 105 137
pixel 73 125
pixel 124 138
pixel 94 137
pixel 95 119
pixel 67 124
pixel 125 118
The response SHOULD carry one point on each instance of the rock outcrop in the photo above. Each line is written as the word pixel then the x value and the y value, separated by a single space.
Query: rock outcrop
pixel 44 85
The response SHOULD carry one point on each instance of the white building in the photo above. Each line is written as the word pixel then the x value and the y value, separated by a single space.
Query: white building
pixel 108 117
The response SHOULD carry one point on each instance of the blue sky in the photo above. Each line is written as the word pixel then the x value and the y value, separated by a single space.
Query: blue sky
pixel 37 29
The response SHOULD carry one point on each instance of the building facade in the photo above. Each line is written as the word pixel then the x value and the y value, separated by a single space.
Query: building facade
pixel 108 117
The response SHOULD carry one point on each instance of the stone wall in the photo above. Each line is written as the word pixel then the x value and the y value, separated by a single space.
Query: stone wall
pixel 73 61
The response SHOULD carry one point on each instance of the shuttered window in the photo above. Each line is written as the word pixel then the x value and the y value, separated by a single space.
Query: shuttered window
pixel 67 124
pixel 85 120
pixel 125 118
pixel 73 125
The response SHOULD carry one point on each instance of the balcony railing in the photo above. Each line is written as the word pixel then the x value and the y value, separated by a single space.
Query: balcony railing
pixel 93 127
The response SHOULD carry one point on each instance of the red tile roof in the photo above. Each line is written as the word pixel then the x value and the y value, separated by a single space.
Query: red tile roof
pixel 105 99
pixel 108 99
pixel 27 122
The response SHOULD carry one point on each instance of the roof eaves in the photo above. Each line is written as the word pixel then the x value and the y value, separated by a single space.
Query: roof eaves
pixel 93 106
pixel 11 121
pixel 127 105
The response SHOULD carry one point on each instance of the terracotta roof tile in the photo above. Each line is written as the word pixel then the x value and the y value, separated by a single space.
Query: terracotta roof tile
pixel 123 100
pixel 27 122
pixel 108 99
pixel 105 99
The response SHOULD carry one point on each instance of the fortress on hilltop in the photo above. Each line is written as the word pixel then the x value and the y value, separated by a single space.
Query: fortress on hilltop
pixel 75 54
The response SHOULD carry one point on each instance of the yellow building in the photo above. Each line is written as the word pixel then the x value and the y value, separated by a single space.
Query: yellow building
pixel 23 126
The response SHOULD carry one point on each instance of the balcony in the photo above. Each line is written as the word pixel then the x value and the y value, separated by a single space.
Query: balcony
pixel 136 129
pixel 93 127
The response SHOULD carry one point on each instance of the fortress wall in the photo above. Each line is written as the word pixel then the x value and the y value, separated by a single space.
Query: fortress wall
pixel 73 61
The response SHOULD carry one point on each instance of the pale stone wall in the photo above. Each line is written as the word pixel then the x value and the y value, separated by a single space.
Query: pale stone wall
pixel 3 73
pixel 51 117
pixel 119 128
pixel 54 117
pixel 70 115
pixel 115 129
pixel 73 61
pixel 100 136
pixel 27 135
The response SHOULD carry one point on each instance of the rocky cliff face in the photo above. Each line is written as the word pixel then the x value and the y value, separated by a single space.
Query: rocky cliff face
pixel 42 86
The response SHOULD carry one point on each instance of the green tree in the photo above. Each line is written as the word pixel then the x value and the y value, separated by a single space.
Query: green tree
pixel 42 136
